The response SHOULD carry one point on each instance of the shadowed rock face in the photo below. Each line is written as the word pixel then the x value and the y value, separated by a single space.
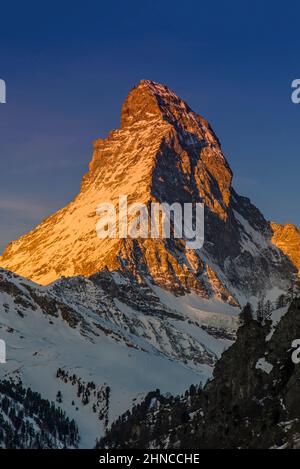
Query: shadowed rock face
pixel 162 152
pixel 253 400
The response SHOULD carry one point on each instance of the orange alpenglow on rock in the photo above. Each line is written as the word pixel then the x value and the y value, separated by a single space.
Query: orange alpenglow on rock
pixel 163 152
pixel 287 238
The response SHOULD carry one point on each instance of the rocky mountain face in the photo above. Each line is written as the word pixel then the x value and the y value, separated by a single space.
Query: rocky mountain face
pixel 163 152
pixel 93 324
pixel 287 239
pixel 252 401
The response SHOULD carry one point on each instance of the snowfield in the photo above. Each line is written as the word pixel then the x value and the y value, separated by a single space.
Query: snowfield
pixel 76 326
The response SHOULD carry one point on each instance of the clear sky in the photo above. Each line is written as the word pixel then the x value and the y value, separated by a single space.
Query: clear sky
pixel 69 65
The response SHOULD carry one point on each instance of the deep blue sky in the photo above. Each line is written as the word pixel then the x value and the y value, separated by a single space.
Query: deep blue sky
pixel 69 65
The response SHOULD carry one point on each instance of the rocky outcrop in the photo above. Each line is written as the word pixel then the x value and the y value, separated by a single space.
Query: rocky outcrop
pixel 287 239
pixel 252 401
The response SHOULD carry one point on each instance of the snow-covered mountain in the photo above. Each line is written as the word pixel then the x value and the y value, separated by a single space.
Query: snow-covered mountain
pixel 162 152
pixel 95 324
pixel 97 346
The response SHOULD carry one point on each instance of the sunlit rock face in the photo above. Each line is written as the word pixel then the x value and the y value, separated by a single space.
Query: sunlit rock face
pixel 163 152
pixel 287 239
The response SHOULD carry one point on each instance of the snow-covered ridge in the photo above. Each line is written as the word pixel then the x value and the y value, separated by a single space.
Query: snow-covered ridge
pixel 106 331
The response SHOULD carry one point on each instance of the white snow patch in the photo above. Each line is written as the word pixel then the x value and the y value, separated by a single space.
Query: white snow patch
pixel 275 318
pixel 210 312
pixel 263 365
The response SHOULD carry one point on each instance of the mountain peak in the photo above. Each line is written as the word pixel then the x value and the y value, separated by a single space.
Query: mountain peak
pixel 149 99
pixel 166 153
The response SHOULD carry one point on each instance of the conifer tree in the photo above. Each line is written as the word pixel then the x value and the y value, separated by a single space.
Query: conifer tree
pixel 246 315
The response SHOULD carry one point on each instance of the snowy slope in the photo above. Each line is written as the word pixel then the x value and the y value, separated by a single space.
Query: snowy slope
pixel 77 327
